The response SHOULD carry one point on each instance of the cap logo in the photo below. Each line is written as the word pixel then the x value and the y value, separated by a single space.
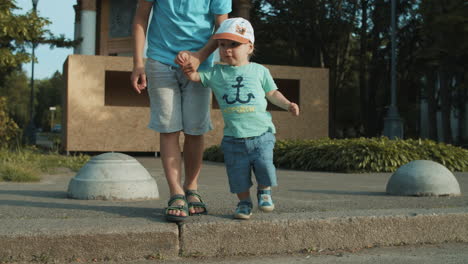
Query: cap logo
pixel 241 30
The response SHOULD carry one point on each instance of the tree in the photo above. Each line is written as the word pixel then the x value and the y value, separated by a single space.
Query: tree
pixel 16 90
pixel 352 39
pixel 313 33
pixel 17 33
pixel 49 94
pixel 443 54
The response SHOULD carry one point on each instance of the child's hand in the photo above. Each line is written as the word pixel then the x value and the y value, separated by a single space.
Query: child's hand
pixel 294 109
pixel 185 60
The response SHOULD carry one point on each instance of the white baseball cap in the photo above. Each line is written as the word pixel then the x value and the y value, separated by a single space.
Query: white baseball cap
pixel 237 29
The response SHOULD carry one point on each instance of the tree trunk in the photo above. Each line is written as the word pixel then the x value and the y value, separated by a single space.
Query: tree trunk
pixel 431 105
pixel 241 8
pixel 363 95
pixel 446 104
pixel 462 99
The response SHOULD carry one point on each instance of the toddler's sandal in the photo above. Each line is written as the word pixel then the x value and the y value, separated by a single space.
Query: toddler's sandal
pixel 265 203
pixel 243 210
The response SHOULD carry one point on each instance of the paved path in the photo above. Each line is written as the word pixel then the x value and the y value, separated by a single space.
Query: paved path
pixel 314 211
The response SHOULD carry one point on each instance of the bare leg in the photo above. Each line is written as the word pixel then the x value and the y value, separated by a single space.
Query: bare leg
pixel 193 156
pixel 171 160
pixel 243 195
pixel 263 187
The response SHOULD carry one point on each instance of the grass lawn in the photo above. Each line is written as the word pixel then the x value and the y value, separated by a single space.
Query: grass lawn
pixel 28 164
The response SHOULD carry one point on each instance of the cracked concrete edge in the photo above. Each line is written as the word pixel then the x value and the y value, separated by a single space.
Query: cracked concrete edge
pixel 90 247
pixel 293 235
pixel 231 237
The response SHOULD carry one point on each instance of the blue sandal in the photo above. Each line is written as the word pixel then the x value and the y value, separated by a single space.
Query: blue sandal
pixel 265 203
pixel 184 208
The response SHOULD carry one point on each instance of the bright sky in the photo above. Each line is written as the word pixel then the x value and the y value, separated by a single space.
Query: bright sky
pixel 62 16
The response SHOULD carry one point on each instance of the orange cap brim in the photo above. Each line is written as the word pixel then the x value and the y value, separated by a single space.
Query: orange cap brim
pixel 231 36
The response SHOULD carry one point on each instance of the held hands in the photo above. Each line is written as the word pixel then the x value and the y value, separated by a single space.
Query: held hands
pixel 294 109
pixel 138 79
pixel 186 60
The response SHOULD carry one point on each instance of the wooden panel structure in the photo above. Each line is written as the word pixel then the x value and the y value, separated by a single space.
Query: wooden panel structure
pixel 93 122
pixel 107 44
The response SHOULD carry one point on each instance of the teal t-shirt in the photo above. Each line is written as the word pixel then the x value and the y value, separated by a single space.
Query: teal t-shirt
pixel 240 92
pixel 179 25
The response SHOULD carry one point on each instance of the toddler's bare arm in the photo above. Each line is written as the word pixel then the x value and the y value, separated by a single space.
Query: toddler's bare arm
pixel 278 99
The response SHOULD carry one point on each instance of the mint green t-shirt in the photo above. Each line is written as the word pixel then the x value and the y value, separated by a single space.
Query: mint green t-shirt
pixel 240 92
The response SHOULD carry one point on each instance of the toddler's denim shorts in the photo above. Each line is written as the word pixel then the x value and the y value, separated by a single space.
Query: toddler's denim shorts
pixel 177 104
pixel 244 155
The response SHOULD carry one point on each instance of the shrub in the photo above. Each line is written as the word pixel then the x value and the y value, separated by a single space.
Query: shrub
pixel 359 155
pixel 26 164
pixel 9 130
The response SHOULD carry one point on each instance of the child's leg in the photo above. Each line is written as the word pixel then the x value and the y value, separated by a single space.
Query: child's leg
pixel 244 207
pixel 265 171
pixel 238 169
pixel 265 202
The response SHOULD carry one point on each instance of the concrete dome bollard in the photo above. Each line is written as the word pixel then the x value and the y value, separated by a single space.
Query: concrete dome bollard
pixel 113 176
pixel 423 178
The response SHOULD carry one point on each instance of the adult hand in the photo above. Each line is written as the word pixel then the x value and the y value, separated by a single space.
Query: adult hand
pixel 138 79
pixel 192 61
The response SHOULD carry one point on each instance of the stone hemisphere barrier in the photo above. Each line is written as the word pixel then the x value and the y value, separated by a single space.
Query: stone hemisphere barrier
pixel 423 178
pixel 113 176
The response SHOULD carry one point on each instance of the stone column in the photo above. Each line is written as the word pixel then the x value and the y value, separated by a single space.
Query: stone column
pixel 241 8
pixel 77 35
pixel 88 27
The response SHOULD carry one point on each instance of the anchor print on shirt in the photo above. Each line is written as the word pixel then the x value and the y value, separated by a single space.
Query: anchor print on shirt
pixel 239 79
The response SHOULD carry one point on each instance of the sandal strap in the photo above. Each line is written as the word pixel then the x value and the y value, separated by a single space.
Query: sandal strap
pixel 193 193
pixel 176 207
pixel 245 203
pixel 259 192
pixel 175 198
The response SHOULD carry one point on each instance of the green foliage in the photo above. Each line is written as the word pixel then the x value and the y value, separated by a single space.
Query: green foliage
pixel 9 131
pixel 352 39
pixel 15 32
pixel 19 31
pixel 213 153
pixel 49 93
pixel 17 91
pixel 359 155
pixel 28 163
pixel 15 173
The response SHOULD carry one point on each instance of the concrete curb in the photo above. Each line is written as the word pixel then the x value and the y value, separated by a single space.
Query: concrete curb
pixel 74 240
pixel 294 235
pixel 133 239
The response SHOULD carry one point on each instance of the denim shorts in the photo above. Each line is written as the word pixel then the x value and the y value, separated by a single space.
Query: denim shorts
pixel 244 155
pixel 176 103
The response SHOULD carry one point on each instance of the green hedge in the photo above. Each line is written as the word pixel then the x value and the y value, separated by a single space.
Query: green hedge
pixel 358 154
pixel 9 130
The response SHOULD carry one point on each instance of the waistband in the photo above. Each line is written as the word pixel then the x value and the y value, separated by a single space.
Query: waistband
pixel 231 138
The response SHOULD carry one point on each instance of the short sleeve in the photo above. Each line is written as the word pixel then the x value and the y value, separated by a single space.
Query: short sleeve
pixel 268 83
pixel 205 77
pixel 221 7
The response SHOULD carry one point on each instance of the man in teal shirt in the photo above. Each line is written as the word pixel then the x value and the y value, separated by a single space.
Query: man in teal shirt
pixel 177 104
